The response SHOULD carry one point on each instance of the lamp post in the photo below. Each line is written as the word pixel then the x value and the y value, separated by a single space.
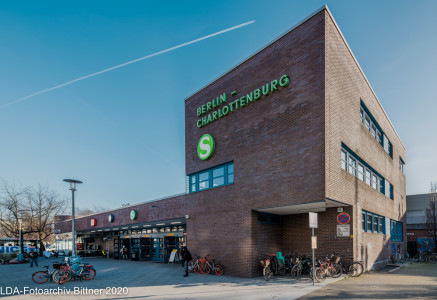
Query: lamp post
pixel 73 183
pixel 20 221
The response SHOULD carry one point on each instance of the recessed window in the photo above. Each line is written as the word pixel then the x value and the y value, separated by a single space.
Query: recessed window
pixel 373 222
pixel 401 165
pixel 375 130
pixel 343 159
pixel 361 172
pixel 211 178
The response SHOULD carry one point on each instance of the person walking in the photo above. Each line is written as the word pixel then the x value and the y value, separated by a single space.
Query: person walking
pixel 33 258
pixel 124 252
pixel 186 258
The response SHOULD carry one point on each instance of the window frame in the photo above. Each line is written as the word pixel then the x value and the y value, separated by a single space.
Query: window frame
pixel 194 181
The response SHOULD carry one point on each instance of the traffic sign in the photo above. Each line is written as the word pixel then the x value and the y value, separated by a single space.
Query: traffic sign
pixel 343 218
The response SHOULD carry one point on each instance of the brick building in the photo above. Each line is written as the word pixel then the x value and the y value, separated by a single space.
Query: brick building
pixel 295 128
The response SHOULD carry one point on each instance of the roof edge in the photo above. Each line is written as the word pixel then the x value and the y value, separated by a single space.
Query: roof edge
pixel 361 70
pixel 259 50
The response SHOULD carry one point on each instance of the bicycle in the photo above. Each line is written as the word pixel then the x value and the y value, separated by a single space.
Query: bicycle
pixel 353 269
pixel 43 276
pixel 84 272
pixel 267 271
pixel 195 267
pixel 207 267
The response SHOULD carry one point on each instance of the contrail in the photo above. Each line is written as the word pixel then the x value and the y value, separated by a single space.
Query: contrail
pixel 124 64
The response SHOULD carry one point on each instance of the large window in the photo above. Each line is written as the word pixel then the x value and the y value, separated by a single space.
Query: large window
pixel 375 130
pixel 373 222
pixel 211 178
pixel 356 166
pixel 396 231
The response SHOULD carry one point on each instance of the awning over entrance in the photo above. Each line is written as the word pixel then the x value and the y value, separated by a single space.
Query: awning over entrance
pixel 302 208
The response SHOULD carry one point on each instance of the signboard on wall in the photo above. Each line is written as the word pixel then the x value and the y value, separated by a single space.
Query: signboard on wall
pixel 343 230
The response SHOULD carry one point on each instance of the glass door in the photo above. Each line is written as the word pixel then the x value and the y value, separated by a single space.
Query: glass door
pixel 158 249
pixel 145 249
pixel 135 249
pixel 116 248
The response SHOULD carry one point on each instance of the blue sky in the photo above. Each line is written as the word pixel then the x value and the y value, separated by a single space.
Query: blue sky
pixel 122 132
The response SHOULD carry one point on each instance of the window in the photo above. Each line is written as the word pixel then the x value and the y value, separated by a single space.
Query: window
pixel 343 159
pixel 218 176
pixel 360 172
pixel 369 222
pixel 352 165
pixel 375 130
pixel 356 166
pixel 401 165
pixel 230 173
pixel 373 181
pixel 265 218
pixel 211 178
pixel 193 183
pixel 204 181
pixel 396 231
pixel 373 222
pixel 368 176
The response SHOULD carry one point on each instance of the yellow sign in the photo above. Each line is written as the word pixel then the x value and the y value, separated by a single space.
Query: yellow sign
pixel 146 235
pixel 170 234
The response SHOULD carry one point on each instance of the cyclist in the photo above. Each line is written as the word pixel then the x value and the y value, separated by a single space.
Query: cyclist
pixel 186 258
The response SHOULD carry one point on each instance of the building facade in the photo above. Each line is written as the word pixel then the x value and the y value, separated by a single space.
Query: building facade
pixel 295 128
pixel 419 235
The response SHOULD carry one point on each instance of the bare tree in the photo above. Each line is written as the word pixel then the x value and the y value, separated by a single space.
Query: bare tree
pixel 36 207
pixel 85 211
pixel 431 213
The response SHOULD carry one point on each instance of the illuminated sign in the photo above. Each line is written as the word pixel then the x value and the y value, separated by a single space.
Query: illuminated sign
pixel 219 108
pixel 205 147
pixel 133 214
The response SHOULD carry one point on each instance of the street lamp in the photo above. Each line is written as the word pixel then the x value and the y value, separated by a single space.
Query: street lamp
pixel 20 221
pixel 73 183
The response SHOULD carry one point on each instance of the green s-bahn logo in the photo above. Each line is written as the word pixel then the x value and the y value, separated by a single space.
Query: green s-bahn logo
pixel 205 147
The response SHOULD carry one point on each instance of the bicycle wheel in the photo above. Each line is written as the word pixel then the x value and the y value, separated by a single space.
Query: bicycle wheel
pixel 320 275
pixel 296 271
pixel 356 269
pixel 55 276
pixel 205 269
pixel 268 273
pixel 64 277
pixel 336 270
pixel 197 269
pixel 88 274
pixel 218 270
pixel 40 277
pixel 432 259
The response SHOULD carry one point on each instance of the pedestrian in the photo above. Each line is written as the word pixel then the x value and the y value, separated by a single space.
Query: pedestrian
pixel 123 252
pixel 186 258
pixel 33 258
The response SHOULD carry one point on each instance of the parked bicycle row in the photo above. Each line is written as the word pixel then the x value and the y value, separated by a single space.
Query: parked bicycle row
pixel 298 265
pixel 71 269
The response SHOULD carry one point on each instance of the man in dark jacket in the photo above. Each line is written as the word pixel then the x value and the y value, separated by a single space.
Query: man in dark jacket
pixel 186 258
pixel 33 258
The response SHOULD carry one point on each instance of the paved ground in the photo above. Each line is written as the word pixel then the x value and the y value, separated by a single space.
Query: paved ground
pixel 148 280
pixel 412 281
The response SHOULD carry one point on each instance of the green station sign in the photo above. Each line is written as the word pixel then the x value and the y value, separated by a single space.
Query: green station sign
pixel 205 147
pixel 133 214
pixel 219 108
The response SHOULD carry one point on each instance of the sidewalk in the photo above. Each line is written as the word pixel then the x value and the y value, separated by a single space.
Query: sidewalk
pixel 411 281
pixel 154 281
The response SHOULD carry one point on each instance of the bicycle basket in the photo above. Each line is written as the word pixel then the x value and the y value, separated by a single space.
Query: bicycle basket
pixel 335 259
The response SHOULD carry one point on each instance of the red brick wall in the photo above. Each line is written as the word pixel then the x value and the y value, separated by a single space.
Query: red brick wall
pixel 276 144
pixel 171 208
pixel 345 86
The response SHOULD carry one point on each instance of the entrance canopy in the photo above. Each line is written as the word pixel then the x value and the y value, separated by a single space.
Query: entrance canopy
pixel 138 226
pixel 302 208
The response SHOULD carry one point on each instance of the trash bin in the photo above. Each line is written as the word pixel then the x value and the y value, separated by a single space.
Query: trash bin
pixel 20 258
